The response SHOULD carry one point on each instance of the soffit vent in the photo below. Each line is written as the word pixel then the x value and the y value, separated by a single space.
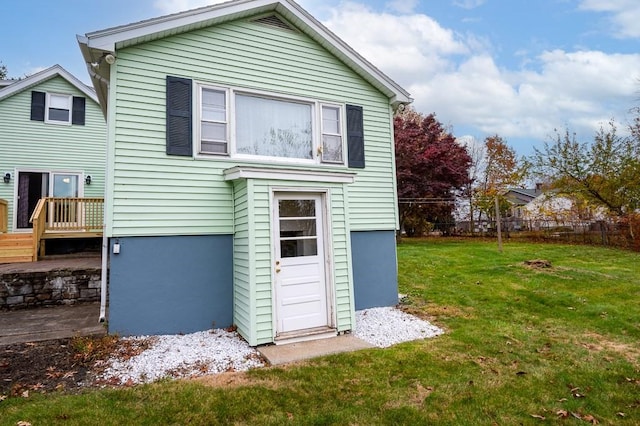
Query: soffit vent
pixel 273 21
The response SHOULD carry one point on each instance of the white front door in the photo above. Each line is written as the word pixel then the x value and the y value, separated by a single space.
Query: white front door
pixel 300 283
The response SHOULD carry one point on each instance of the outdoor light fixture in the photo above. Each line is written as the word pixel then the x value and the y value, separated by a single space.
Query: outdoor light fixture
pixel 7 177
pixel 87 180
pixel 106 57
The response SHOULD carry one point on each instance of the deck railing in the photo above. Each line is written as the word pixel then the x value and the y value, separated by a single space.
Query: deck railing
pixel 4 215
pixel 58 217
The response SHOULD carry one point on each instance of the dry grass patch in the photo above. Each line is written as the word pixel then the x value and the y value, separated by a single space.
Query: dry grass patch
pixel 599 343
pixel 433 312
pixel 231 380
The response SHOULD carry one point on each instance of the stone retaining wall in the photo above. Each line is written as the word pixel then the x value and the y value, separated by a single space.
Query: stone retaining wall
pixel 56 287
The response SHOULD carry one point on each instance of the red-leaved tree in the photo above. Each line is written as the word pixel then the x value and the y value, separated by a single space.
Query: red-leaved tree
pixel 430 167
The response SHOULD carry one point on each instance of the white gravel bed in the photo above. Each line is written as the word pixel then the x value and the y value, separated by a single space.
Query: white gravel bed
pixel 188 355
pixel 217 351
pixel 384 327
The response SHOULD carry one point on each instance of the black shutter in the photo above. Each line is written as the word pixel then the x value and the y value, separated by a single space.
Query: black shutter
pixel 77 114
pixel 355 136
pixel 37 105
pixel 179 116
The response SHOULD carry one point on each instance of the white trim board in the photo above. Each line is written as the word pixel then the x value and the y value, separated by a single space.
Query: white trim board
pixel 247 172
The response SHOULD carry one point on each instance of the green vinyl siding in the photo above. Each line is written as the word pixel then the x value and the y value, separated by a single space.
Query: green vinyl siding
pixel 148 186
pixel 253 256
pixel 242 263
pixel 39 146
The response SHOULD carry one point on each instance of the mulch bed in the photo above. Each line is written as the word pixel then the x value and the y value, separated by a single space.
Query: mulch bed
pixel 47 366
pixel 62 365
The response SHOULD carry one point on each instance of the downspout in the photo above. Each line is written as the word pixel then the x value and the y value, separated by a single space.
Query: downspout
pixel 103 275
pixel 105 239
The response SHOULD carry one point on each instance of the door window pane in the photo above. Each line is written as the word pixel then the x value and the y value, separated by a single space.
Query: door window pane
pixel 297 208
pixel 65 185
pixel 273 127
pixel 296 248
pixel 298 228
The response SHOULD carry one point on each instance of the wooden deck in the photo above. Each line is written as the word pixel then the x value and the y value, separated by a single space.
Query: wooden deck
pixel 53 218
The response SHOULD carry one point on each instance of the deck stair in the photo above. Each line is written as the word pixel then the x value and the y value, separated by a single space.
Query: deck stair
pixel 16 247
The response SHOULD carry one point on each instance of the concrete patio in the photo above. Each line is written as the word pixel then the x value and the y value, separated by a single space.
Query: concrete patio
pixel 53 322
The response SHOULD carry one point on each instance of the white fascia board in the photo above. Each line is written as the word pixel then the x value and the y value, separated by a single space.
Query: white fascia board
pixel 111 39
pixel 249 172
pixel 97 75
pixel 45 75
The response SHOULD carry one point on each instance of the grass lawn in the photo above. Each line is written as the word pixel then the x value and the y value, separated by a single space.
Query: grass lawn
pixel 523 346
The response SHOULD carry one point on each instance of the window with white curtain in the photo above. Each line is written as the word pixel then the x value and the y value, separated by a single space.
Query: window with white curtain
pixel 240 124
pixel 273 127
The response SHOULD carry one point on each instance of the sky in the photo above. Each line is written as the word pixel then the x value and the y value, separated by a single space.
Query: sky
pixel 516 68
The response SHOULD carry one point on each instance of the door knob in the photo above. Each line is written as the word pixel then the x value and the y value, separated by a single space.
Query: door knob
pixel 277 270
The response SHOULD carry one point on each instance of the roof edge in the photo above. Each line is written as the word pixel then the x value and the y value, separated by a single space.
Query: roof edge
pixel 44 75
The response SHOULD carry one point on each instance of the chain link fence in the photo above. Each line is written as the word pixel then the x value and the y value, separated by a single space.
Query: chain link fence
pixel 623 234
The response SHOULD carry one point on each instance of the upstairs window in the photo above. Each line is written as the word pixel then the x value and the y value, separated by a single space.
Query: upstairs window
pixel 260 126
pixel 273 127
pixel 241 124
pixel 58 109
pixel 331 135
pixel 214 135
pixel 55 108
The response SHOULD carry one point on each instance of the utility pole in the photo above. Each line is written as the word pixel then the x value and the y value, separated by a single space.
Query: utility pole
pixel 498 227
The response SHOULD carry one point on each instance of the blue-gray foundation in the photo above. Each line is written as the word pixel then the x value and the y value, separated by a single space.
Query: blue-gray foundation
pixel 183 284
pixel 167 285
pixel 375 269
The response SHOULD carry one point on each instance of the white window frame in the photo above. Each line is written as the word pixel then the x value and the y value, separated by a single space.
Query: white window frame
pixel 340 129
pixel 230 99
pixel 198 121
pixel 48 107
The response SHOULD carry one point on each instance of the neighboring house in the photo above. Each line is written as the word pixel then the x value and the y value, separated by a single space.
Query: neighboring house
pixel 251 176
pixel 551 210
pixel 519 198
pixel 52 142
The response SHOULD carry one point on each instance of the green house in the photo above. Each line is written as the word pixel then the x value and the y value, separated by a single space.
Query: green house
pixel 250 178
pixel 52 142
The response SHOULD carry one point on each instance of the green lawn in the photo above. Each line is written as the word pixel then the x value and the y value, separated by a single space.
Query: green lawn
pixel 522 344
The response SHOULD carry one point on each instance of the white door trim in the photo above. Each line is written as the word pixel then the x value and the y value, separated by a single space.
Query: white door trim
pixel 50 172
pixel 324 210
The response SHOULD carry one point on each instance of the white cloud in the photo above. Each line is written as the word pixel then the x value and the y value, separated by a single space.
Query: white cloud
pixel 407 46
pixel 624 15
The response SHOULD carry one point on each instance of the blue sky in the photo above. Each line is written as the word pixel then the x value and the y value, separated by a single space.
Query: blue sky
pixel 517 68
